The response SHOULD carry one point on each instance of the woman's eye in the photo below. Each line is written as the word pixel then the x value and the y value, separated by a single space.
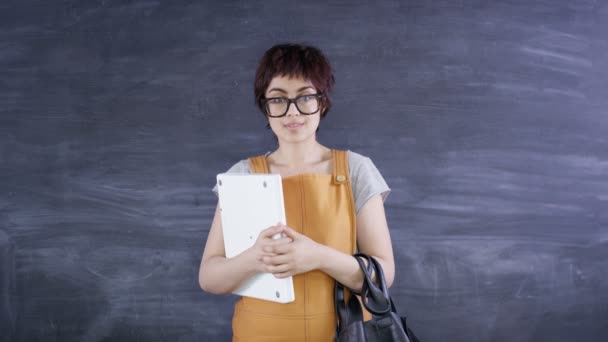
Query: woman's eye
pixel 306 98
pixel 277 100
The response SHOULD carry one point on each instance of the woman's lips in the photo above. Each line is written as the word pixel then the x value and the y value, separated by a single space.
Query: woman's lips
pixel 294 125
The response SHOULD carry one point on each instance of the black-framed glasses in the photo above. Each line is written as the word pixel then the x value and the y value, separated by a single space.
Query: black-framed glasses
pixel 277 107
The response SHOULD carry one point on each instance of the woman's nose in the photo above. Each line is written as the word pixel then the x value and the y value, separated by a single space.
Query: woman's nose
pixel 292 109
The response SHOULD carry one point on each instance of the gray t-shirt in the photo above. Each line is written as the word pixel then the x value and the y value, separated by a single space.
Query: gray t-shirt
pixel 365 178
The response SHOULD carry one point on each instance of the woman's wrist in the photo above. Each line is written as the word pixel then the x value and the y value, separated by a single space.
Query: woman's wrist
pixel 322 256
pixel 340 266
pixel 248 262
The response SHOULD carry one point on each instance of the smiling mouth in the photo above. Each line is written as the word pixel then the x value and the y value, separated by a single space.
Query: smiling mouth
pixel 294 125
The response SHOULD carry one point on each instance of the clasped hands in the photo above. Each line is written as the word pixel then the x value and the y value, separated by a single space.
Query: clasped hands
pixel 289 255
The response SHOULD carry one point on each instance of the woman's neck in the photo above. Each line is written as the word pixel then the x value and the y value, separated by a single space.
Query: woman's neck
pixel 298 155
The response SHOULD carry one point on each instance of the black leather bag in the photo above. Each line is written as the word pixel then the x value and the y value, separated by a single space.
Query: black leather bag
pixel 386 324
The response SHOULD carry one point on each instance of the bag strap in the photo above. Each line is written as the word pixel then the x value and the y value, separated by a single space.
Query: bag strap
pixel 258 164
pixel 375 298
pixel 341 172
pixel 348 312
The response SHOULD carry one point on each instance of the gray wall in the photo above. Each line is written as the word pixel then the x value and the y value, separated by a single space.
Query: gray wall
pixel 487 118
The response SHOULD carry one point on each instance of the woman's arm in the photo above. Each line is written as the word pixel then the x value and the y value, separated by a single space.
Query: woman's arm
pixel 304 254
pixel 221 275
pixel 373 239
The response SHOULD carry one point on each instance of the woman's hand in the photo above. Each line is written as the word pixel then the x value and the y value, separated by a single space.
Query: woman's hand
pixel 257 251
pixel 291 255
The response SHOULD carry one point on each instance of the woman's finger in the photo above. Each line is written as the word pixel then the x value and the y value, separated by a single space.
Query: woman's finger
pixel 270 231
pixel 276 268
pixel 289 232
pixel 279 248
pixel 282 248
pixel 280 241
pixel 269 246
pixel 276 260
pixel 282 274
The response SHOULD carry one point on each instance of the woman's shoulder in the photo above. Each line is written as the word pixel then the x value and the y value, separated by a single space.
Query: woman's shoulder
pixel 355 155
pixel 357 160
pixel 366 179
pixel 243 165
pixel 362 168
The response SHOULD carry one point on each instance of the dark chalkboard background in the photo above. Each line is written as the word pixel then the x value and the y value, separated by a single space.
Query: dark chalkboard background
pixel 487 118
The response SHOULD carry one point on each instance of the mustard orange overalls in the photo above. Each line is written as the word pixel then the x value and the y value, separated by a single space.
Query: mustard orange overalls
pixel 320 206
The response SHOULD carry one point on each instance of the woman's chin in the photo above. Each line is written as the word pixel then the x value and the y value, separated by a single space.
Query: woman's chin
pixel 296 138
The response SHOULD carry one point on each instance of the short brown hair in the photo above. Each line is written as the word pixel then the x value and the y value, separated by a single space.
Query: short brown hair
pixel 295 60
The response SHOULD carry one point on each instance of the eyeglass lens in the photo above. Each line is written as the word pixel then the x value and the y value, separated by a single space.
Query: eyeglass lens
pixel 306 104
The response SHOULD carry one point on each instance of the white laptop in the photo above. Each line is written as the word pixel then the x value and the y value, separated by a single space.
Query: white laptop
pixel 250 203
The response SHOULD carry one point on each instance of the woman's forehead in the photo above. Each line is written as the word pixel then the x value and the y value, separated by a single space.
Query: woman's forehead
pixel 287 82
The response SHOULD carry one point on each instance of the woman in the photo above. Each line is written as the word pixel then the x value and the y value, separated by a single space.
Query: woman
pixel 333 202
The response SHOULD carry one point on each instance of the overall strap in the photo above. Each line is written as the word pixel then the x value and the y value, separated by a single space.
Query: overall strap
pixel 341 173
pixel 258 164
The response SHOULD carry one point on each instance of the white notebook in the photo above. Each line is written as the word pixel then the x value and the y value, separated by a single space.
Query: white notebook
pixel 250 203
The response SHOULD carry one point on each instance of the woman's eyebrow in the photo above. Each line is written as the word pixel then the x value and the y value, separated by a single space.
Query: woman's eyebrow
pixel 304 88
pixel 277 89
pixel 285 92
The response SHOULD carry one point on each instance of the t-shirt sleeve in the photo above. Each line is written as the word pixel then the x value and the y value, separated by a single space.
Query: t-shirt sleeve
pixel 366 180
pixel 240 167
